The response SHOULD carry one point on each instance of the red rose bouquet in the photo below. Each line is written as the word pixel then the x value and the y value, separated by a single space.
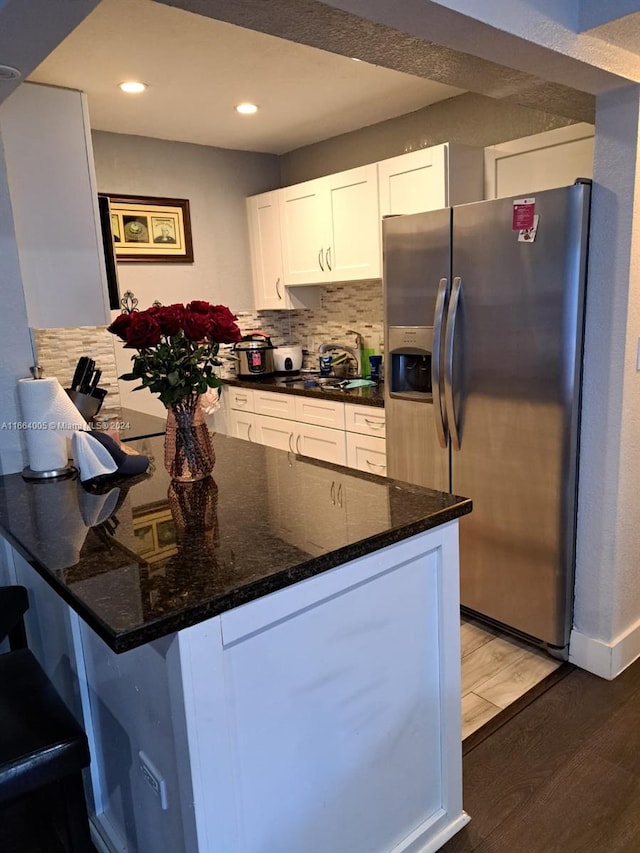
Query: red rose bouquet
pixel 177 347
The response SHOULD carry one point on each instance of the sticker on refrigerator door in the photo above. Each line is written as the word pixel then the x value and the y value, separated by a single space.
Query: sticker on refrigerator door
pixel 528 235
pixel 523 212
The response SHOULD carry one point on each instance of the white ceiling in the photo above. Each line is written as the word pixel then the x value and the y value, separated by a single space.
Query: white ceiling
pixel 197 69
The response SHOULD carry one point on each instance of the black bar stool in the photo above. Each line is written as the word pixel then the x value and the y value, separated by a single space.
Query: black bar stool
pixel 42 747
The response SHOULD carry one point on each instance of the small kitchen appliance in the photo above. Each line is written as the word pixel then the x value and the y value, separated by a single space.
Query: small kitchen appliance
pixel 287 359
pixel 255 355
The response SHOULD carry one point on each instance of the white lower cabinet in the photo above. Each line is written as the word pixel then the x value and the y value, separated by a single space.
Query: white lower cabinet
pixel 275 432
pixel 367 454
pixel 340 433
pixel 241 424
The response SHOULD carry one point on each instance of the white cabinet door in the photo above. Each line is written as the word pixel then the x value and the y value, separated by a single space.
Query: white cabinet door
pixel 539 162
pixel 367 453
pixel 265 238
pixel 331 228
pixel 321 443
pixel 430 178
pixel 275 432
pixel 266 254
pixel 354 252
pixel 47 149
pixel 305 232
pixel 414 182
pixel 242 425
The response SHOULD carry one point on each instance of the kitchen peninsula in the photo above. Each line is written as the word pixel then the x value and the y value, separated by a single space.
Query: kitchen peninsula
pixel 253 675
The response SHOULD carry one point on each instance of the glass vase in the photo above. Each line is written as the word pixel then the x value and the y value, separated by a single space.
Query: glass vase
pixel 188 450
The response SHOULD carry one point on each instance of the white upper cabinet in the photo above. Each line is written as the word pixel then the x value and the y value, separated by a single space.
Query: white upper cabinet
pixel 49 159
pixel 266 254
pixel 543 161
pixel 269 289
pixel 331 228
pixel 430 178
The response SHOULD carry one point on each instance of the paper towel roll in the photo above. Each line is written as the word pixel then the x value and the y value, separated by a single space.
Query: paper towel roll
pixel 49 418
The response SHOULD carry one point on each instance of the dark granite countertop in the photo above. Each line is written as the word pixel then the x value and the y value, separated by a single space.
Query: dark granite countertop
pixel 140 558
pixel 370 396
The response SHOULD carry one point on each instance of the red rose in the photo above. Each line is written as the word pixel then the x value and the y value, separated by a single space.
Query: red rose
pixel 196 326
pixel 120 325
pixel 199 307
pixel 143 331
pixel 170 318
pixel 223 328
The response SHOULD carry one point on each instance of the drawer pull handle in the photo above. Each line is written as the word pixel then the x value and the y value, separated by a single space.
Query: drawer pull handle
pixel 340 495
pixel 291 443
pixel 298 445
pixel 375 464
pixel 374 424
pixel 249 432
pixel 333 493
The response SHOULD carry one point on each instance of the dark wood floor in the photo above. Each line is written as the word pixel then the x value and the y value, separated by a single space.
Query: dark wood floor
pixel 561 776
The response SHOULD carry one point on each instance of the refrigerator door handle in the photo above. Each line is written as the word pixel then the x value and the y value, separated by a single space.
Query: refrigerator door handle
pixel 436 379
pixel 449 338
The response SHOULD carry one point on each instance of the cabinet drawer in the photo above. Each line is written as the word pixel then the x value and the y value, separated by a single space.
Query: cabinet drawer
pixel 367 453
pixel 368 420
pixel 240 398
pixel 321 412
pixel 274 404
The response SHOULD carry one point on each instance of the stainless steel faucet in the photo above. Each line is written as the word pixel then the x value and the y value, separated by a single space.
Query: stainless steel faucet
pixel 355 354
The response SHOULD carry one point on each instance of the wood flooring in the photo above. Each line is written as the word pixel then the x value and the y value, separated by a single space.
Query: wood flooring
pixel 496 671
pixel 560 776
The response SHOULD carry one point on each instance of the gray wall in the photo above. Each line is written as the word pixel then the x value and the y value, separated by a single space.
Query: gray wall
pixel 468 119
pixel 14 334
pixel 215 181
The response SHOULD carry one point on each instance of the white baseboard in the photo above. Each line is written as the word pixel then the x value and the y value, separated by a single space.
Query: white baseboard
pixel 606 660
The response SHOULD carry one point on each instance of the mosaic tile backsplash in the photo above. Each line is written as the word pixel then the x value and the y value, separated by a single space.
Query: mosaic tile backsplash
pixel 58 353
pixel 355 306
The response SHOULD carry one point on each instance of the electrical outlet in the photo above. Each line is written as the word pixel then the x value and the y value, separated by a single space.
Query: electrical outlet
pixel 153 778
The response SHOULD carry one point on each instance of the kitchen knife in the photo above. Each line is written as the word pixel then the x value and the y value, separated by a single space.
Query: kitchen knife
pixel 94 381
pixel 83 386
pixel 79 372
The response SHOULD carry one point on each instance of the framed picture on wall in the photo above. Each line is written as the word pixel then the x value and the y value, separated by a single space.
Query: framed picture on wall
pixel 152 230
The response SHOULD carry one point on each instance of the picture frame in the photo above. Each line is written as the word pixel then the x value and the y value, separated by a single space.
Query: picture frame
pixel 150 230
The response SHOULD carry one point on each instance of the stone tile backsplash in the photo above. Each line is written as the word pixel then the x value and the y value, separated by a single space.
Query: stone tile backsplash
pixel 58 353
pixel 355 306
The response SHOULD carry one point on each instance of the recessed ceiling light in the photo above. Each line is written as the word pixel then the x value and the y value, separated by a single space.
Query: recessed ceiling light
pixel 246 109
pixel 8 72
pixel 133 87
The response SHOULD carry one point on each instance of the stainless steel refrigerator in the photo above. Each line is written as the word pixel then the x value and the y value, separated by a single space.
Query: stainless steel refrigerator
pixel 484 339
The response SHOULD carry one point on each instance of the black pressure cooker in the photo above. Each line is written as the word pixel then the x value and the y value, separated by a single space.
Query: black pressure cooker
pixel 255 356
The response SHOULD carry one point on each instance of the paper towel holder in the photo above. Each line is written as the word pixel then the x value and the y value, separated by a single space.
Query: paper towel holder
pixel 54 474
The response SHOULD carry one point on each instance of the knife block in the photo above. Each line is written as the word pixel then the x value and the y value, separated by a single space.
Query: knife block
pixel 86 404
